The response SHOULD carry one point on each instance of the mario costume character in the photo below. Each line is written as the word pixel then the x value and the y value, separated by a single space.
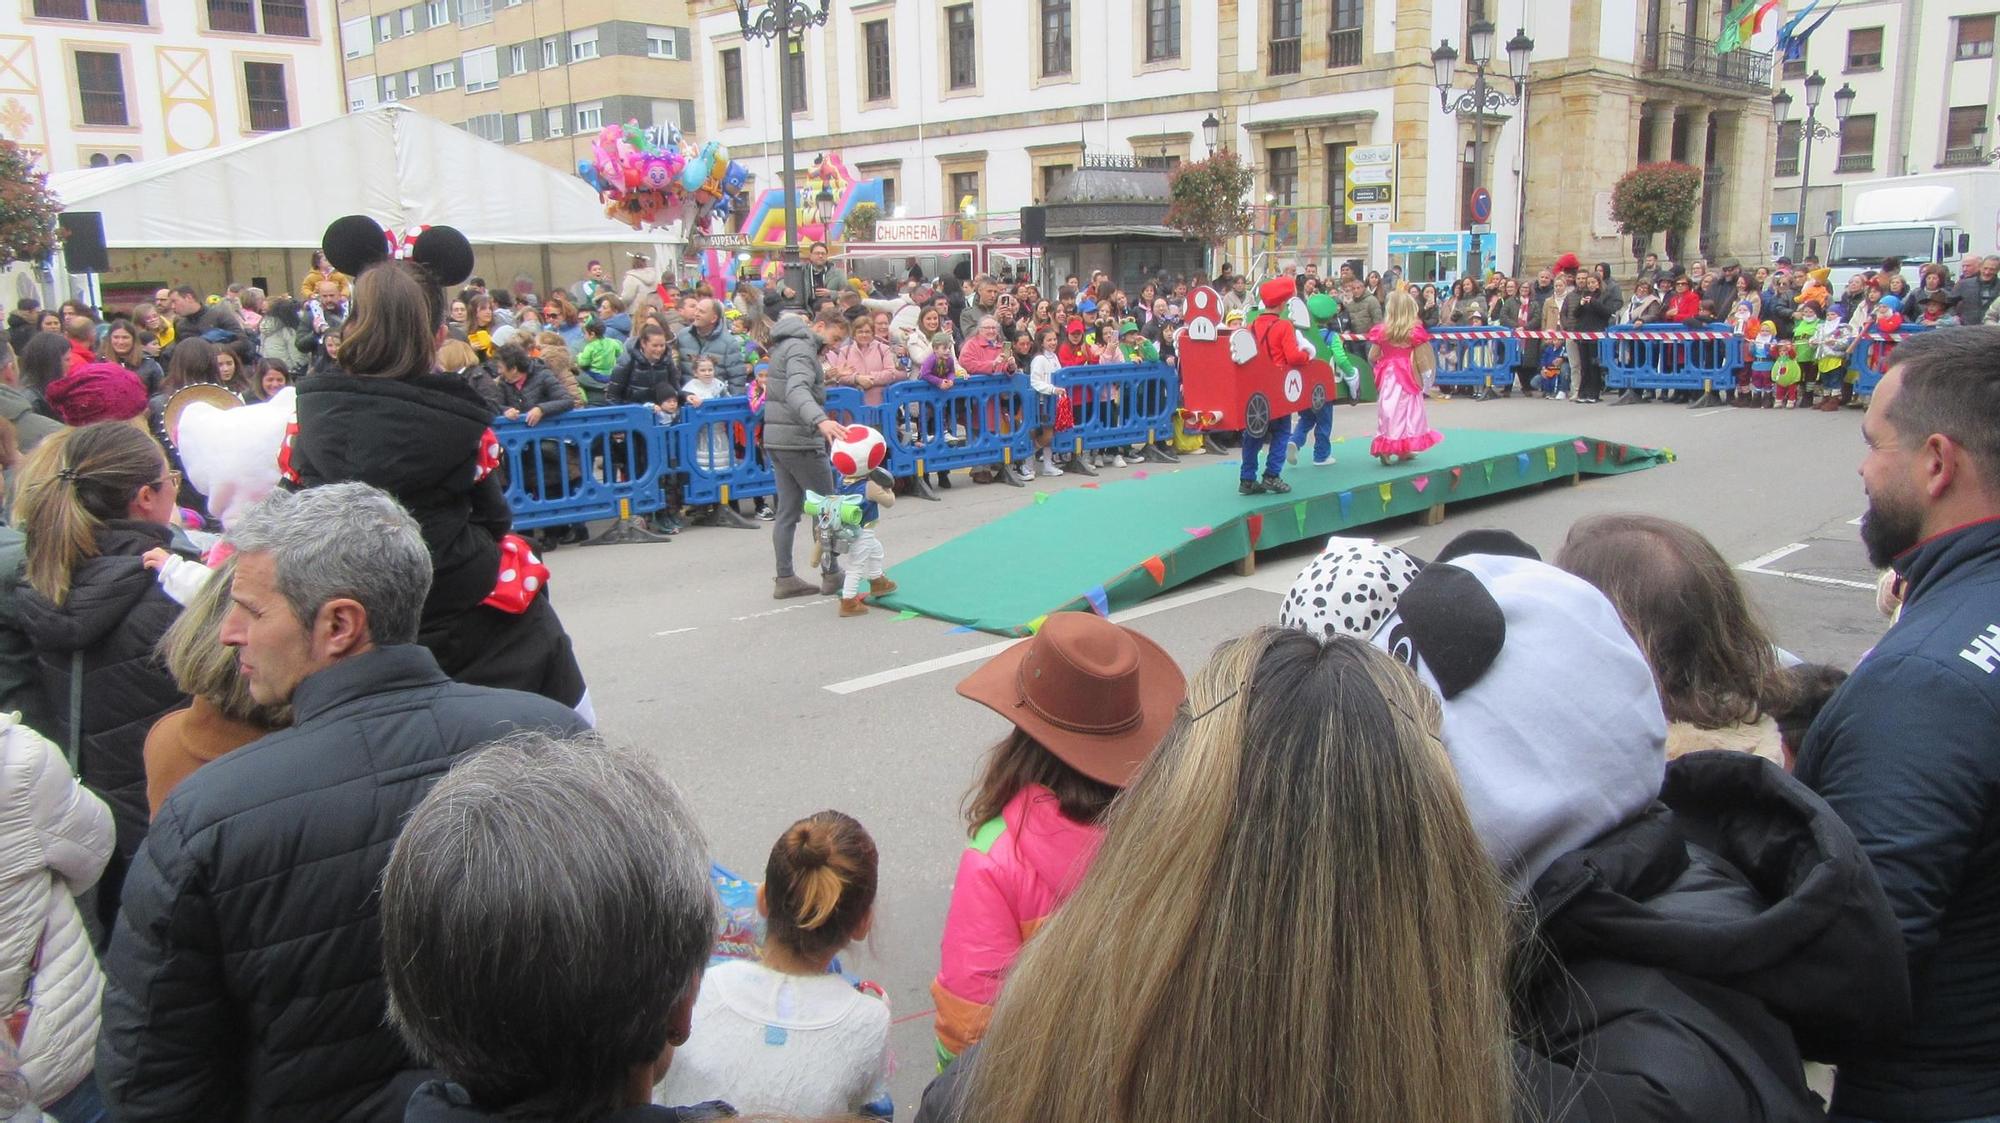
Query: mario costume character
pixel 1279 339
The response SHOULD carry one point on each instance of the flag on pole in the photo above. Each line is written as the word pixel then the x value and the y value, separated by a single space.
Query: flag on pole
pixel 1793 46
pixel 1732 26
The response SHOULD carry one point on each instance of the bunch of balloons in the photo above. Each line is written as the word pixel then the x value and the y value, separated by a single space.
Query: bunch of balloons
pixel 653 177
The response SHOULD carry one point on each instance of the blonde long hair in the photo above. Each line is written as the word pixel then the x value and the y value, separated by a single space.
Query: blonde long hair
pixel 74 482
pixel 1290 918
pixel 1399 319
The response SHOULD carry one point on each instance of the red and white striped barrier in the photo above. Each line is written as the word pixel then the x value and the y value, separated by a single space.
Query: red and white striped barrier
pixel 1502 333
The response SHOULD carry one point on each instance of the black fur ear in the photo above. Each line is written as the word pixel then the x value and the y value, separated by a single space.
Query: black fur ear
pixel 445 255
pixel 354 243
pixel 1454 623
pixel 1505 543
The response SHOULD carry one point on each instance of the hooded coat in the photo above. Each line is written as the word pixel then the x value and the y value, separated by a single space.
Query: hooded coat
pixel 419 439
pixel 107 626
pixel 798 388
pixel 1689 957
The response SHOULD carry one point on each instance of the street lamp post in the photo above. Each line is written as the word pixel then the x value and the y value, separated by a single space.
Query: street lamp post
pixel 1810 130
pixel 1481 99
pixel 780 21
pixel 1211 130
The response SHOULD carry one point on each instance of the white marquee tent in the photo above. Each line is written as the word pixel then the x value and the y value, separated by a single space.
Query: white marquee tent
pixel 392 164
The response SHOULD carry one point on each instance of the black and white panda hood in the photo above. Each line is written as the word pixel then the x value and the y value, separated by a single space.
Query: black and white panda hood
pixel 1551 715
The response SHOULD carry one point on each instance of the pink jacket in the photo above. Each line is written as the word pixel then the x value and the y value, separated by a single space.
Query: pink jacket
pixel 1015 871
pixel 847 363
pixel 981 357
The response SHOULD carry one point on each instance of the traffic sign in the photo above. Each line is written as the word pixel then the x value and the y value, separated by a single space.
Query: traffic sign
pixel 1382 193
pixel 1482 204
pixel 1371 179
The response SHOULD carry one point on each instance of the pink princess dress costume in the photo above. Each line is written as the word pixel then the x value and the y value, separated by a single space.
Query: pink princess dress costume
pixel 1402 428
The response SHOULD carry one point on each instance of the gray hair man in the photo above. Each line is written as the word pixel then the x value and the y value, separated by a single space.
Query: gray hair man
pixel 494 869
pixel 707 335
pixel 244 977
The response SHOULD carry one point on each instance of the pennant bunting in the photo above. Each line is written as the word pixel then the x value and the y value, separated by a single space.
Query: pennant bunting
pixel 1580 447
pixel 1299 513
pixel 1521 463
pixel 1140 475
pixel 1346 504
pixel 1600 452
pixel 1420 483
pixel 1488 465
pixel 1386 491
pixel 1456 475
pixel 1549 454
pixel 1255 524
pixel 1093 487
pixel 1041 497
pixel 1099 602
pixel 1035 625
pixel 959 630
pixel 1199 531
pixel 1156 566
pixel 908 614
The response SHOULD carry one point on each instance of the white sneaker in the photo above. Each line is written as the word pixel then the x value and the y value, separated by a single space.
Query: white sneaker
pixel 1026 472
pixel 1326 463
pixel 1051 470
pixel 1118 461
pixel 1560 395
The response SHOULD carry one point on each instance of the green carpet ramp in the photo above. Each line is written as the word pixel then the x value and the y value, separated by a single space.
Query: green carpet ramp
pixel 1110 545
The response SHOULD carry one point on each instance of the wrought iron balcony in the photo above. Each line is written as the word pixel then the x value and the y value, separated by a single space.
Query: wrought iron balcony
pixel 1343 47
pixel 1855 162
pixel 1691 58
pixel 1963 157
pixel 1285 56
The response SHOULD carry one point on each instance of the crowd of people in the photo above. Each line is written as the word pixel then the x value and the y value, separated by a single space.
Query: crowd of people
pixel 292 781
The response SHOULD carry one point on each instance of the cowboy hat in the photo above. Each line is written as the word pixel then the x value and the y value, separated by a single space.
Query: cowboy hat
pixel 212 393
pixel 1099 696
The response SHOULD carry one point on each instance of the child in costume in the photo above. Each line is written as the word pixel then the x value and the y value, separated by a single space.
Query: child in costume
pixel 1033 819
pixel 1395 347
pixel 782 1033
pixel 848 516
pixel 1317 424
pixel 1785 374
pixel 1756 394
pixel 1280 340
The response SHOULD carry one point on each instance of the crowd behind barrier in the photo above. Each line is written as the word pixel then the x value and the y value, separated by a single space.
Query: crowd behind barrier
pixel 614 458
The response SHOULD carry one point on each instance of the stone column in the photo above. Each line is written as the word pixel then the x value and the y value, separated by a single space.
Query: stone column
pixel 1696 157
pixel 1410 127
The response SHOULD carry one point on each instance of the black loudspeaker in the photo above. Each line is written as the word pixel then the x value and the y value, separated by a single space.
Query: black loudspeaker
pixel 1034 226
pixel 83 242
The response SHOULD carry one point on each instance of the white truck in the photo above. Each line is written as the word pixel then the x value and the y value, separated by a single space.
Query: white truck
pixel 1918 218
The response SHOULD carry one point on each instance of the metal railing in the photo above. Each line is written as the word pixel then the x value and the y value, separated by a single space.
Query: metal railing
pixel 1787 165
pixel 1285 56
pixel 1343 47
pixel 1963 157
pixel 1855 162
pixel 1693 59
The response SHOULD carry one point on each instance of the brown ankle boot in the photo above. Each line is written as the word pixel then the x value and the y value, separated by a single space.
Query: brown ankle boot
pixel 853 606
pixel 881 587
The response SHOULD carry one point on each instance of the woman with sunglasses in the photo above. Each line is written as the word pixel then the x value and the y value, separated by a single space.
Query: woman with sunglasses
pixel 93 502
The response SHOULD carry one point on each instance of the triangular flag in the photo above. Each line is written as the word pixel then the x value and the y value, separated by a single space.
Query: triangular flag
pixel 1521 462
pixel 1456 475
pixel 1385 492
pixel 908 614
pixel 960 630
pixel 1093 487
pixel 1346 504
pixel 1156 566
pixel 1035 625
pixel 1256 525
pixel 1600 452
pixel 1549 454
pixel 1140 474
pixel 1420 483
pixel 1099 603
pixel 1041 497
pixel 1489 470
pixel 1299 513
pixel 1580 447
pixel 1199 531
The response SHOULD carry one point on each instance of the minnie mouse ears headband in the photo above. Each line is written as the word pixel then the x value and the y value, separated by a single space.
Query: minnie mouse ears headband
pixel 357 243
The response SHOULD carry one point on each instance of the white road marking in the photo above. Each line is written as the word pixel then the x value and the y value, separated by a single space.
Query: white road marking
pixel 1762 564
pixel 673 631
pixel 775 611
pixel 1711 412
pixel 1762 560
pixel 978 654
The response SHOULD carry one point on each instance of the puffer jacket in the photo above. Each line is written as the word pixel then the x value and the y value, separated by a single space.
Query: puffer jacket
pixel 115 613
pixel 640 381
pixel 1014 873
pixel 798 388
pixel 55 837
pixel 244 979
pixel 1691 956
pixel 20 667
pixel 1904 752
pixel 419 439
pixel 722 346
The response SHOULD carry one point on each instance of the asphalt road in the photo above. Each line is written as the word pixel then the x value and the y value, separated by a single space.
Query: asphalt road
pixel 687 655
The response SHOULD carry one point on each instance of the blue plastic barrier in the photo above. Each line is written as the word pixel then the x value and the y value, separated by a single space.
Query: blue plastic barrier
pixel 1115 406
pixel 983 420
pixel 586 464
pixel 1638 357
pixel 717 452
pixel 1481 363
pixel 1869 352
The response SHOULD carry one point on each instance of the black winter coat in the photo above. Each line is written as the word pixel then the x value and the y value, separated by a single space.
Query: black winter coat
pixel 1691 956
pixel 114 614
pixel 1905 752
pixel 442 1102
pixel 637 381
pixel 541 389
pixel 244 979
pixel 418 439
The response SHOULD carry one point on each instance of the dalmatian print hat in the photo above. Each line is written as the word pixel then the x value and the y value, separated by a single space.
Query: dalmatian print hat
pixel 1349 589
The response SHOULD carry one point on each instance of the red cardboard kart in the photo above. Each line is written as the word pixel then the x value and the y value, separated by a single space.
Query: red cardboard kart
pixel 1228 383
